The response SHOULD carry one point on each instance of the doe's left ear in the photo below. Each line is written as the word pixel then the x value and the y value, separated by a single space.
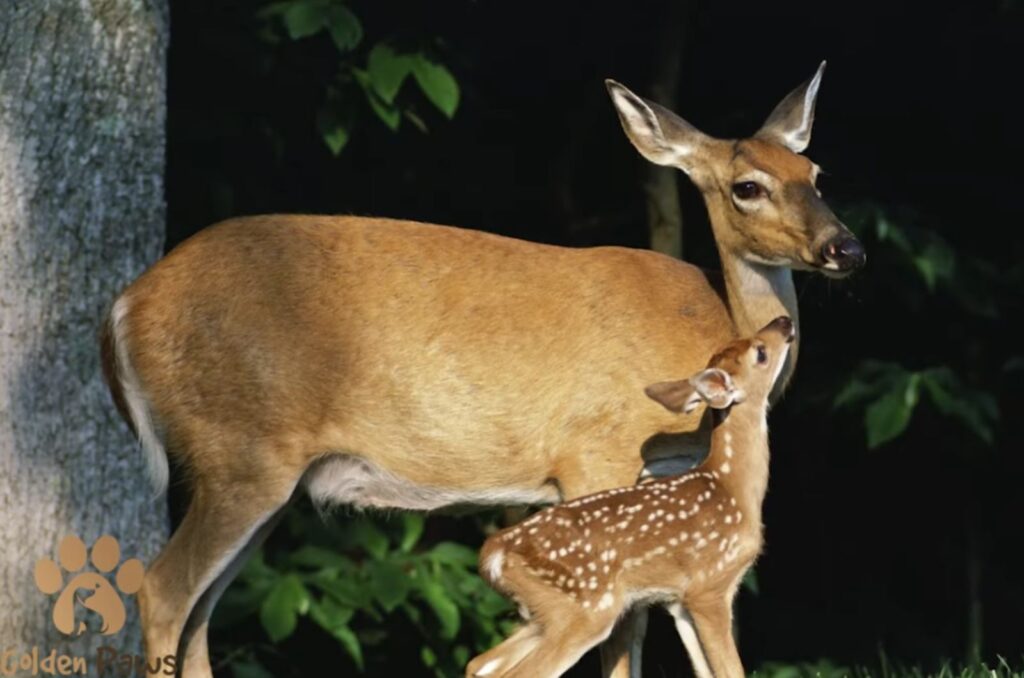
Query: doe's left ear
pixel 791 121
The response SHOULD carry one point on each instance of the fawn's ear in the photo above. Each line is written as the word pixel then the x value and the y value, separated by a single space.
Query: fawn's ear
pixel 712 386
pixel 716 387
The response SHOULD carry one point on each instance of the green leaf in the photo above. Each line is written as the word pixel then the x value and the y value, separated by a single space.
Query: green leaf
pixel 273 9
pixel 437 83
pixel 428 657
pixel 388 70
pixel 351 644
pixel 387 113
pixel 750 581
pixel 336 139
pixel 237 603
pixel 935 262
pixel 451 553
pixel 976 410
pixel 315 556
pixel 256 571
pixel 886 230
pixel 412 530
pixel 412 612
pixel 853 392
pixel 279 612
pixel 345 590
pixel 371 538
pixel 887 417
pixel 492 605
pixel 247 668
pixel 445 610
pixel 334 619
pixel 329 614
pixel 304 18
pixel 345 28
pixel 389 583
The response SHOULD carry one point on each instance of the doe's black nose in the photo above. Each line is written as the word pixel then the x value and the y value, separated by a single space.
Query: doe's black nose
pixel 845 253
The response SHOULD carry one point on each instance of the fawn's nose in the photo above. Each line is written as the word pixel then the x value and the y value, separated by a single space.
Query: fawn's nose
pixel 844 253
pixel 784 326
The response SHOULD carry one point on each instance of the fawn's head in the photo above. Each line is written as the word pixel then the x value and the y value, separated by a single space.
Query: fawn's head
pixel 745 370
pixel 770 211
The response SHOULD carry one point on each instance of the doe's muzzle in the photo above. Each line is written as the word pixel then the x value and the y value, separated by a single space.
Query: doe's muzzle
pixel 844 253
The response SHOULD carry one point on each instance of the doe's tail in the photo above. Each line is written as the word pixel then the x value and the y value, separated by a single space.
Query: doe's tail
pixel 128 394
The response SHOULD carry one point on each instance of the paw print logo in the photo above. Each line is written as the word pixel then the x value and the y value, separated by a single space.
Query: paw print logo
pixel 90 589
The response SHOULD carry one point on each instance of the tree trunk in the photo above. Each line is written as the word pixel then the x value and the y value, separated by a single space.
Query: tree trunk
pixel 664 213
pixel 82 107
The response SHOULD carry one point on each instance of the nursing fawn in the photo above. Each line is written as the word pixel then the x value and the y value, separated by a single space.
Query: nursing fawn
pixel 683 542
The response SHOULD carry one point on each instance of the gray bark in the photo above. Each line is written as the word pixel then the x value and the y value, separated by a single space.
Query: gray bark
pixel 82 108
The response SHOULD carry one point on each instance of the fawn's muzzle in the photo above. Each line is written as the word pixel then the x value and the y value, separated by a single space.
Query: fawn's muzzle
pixel 784 326
pixel 844 253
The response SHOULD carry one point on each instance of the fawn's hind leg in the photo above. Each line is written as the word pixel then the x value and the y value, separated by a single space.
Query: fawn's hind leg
pixel 713 618
pixel 562 643
pixel 688 634
pixel 502 657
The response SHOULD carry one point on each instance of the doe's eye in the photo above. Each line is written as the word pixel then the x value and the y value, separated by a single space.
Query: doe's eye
pixel 747 190
pixel 762 355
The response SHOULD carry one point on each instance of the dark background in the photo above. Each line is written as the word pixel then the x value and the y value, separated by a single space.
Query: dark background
pixel 868 551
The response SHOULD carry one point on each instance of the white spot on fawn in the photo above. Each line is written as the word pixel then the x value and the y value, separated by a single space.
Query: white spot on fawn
pixel 488 668
pixel 494 565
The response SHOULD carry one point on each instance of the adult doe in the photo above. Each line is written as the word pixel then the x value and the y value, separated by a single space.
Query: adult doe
pixel 387 363
pixel 683 542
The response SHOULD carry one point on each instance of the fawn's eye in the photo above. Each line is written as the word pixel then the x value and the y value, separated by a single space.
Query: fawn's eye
pixel 762 355
pixel 747 190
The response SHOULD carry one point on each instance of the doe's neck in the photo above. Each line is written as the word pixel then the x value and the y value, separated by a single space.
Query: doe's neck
pixel 758 294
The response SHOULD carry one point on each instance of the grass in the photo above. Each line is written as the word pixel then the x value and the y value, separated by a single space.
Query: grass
pixel 826 669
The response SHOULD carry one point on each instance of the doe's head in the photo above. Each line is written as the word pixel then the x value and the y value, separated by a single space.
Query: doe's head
pixel 762 188
pixel 745 370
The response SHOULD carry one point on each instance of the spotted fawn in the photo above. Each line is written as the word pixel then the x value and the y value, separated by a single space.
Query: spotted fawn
pixel 683 542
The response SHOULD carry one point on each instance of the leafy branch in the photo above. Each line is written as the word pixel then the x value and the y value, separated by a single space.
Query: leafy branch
pixel 371 75
pixel 351 596
pixel 891 393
